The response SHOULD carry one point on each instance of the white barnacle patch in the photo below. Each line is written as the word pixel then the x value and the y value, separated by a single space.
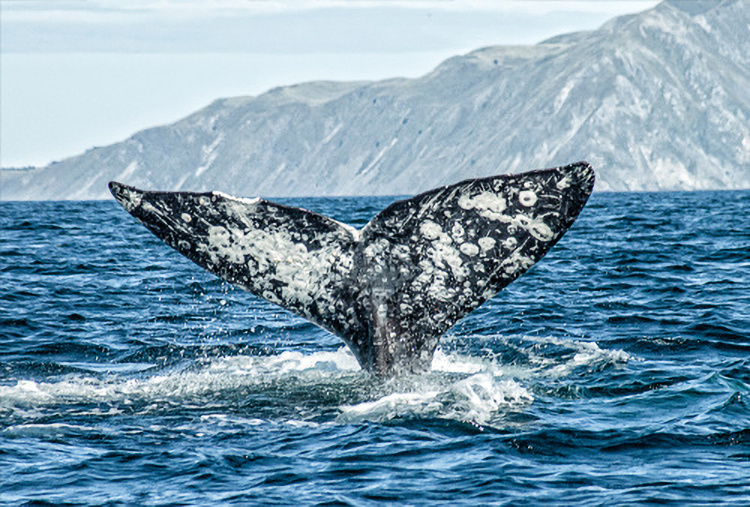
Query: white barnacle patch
pixel 270 296
pixel 527 198
pixel 536 227
pixel 440 289
pixel 469 249
pixel 457 231
pixel 540 230
pixel 150 208
pixel 430 230
pixel 424 278
pixel 130 200
pixel 563 183
pixel 222 245
pixel 185 217
pixel 444 254
pixel 515 263
pixel 376 249
pixel 401 252
pixel 486 243
pixel 510 243
pixel 489 205
pixel 304 273
pixel 218 236
pixel 441 253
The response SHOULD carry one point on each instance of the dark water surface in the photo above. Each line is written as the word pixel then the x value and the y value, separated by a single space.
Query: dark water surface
pixel 616 371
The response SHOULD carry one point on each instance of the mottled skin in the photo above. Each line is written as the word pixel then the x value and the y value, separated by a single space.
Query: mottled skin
pixel 390 290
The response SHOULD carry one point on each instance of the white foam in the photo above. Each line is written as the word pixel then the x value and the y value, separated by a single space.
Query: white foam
pixel 390 406
pixel 480 398
pixel 457 363
pixel 583 354
pixel 221 374
pixel 460 387
pixel 478 389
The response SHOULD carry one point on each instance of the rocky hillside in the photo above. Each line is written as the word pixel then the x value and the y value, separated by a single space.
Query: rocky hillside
pixel 655 101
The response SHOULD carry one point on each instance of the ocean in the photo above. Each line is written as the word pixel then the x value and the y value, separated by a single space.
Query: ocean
pixel 616 371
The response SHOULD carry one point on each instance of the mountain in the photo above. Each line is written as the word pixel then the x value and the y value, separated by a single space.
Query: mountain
pixel 658 100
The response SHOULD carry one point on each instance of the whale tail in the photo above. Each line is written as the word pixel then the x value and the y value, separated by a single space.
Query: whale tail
pixel 391 289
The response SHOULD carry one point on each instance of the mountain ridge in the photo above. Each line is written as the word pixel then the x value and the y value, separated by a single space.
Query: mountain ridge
pixel 654 101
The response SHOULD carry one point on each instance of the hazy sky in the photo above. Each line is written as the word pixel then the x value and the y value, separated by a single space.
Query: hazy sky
pixel 85 73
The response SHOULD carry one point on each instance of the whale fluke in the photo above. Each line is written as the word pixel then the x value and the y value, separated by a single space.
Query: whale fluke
pixel 391 289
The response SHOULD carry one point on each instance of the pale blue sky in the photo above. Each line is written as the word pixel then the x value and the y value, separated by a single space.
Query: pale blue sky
pixel 78 74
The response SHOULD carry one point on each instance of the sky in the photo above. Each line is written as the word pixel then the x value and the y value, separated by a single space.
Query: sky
pixel 75 74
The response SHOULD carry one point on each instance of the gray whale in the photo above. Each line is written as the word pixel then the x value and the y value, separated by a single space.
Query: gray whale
pixel 391 289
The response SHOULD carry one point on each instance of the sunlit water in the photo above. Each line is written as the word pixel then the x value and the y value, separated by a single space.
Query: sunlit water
pixel 616 371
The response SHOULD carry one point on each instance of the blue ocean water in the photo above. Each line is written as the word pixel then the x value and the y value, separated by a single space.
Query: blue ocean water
pixel 616 371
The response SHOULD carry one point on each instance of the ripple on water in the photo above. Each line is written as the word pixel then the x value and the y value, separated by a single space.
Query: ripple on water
pixel 615 371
